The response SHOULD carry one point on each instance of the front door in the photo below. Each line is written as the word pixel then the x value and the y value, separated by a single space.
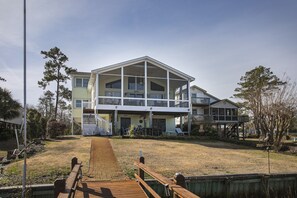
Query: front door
pixel 125 124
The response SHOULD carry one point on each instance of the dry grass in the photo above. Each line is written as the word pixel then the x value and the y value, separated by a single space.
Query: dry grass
pixel 193 158
pixel 54 162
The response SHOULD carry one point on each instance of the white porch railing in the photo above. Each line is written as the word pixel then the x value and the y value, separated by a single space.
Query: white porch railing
pixel 104 127
pixel 92 123
pixel 151 102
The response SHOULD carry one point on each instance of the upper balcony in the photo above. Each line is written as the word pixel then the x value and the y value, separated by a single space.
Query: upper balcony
pixel 200 101
pixel 142 102
pixel 141 85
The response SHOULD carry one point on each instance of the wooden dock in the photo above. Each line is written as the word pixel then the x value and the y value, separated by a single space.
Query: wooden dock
pixel 109 189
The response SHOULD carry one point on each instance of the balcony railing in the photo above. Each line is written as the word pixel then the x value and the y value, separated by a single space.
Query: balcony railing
pixel 200 101
pixel 151 102
pixel 218 118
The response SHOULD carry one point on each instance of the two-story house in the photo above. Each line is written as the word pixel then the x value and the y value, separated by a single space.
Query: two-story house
pixel 140 92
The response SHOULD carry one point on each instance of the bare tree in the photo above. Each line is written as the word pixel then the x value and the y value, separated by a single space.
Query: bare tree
pixel 279 109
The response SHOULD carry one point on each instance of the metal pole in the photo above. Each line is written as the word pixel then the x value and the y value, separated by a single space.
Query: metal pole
pixel 268 156
pixel 25 110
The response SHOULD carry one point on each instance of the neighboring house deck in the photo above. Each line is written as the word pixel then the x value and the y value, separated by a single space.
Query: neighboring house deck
pixel 142 92
pixel 208 110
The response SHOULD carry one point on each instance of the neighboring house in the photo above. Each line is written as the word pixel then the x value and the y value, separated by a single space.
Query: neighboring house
pixel 14 123
pixel 208 110
pixel 140 92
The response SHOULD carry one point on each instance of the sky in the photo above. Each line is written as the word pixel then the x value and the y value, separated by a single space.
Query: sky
pixel 214 41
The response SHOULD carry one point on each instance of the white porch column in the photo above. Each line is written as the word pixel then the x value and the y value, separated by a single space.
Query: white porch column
pixel 151 119
pixel 145 83
pixel 122 86
pixel 115 120
pixel 168 82
pixel 189 97
pixel 189 122
pixel 97 91
pixel 181 122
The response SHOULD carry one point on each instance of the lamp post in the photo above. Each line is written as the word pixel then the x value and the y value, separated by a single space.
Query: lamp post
pixel 25 111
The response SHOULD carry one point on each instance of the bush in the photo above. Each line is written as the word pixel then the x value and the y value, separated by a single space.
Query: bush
pixel 6 134
pixel 55 128
pixel 131 131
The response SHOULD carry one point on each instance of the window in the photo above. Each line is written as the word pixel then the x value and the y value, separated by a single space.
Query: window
pixel 78 103
pixel 78 82
pixel 156 96
pixel 81 82
pixel 194 111
pixel 114 84
pixel 85 82
pixel 156 87
pixel 193 95
pixel 135 83
pixel 113 93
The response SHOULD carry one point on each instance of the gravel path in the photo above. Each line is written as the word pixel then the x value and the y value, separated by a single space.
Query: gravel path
pixel 103 163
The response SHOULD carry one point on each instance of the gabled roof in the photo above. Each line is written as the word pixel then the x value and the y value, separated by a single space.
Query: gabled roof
pixel 80 73
pixel 205 92
pixel 226 100
pixel 139 60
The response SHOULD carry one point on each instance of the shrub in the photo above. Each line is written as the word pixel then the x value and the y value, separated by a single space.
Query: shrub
pixel 55 128
pixel 131 131
pixel 6 134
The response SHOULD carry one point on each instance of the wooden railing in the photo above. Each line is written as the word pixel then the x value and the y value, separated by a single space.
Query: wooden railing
pixel 66 188
pixel 176 186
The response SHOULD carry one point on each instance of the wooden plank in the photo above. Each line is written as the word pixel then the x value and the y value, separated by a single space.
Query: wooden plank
pixel 182 192
pixel 160 178
pixel 123 189
pixel 152 192
pixel 71 180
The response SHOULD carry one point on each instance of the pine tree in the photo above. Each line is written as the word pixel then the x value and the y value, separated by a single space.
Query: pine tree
pixel 55 71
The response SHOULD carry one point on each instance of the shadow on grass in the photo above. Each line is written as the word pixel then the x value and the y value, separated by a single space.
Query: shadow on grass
pixel 62 138
pixel 207 142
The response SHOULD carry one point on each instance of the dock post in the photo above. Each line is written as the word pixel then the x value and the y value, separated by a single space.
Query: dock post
pixel 73 162
pixel 140 171
pixel 180 180
pixel 59 186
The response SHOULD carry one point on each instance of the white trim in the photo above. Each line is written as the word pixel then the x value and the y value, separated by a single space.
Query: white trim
pixel 97 90
pixel 168 84
pixel 143 108
pixel 145 83
pixel 142 59
pixel 122 86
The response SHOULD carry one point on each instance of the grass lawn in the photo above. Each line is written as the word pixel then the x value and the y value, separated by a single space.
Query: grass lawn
pixel 199 157
pixel 54 162
pixel 190 157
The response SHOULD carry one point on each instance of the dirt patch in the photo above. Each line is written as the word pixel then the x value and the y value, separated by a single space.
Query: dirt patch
pixel 103 163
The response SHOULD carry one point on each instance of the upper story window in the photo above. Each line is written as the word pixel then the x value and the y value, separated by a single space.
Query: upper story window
pixel 135 83
pixel 193 95
pixel 81 82
pixel 114 84
pixel 78 103
pixel 157 87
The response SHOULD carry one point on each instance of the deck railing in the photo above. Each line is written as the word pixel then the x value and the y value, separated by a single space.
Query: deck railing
pixel 176 186
pixel 67 188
